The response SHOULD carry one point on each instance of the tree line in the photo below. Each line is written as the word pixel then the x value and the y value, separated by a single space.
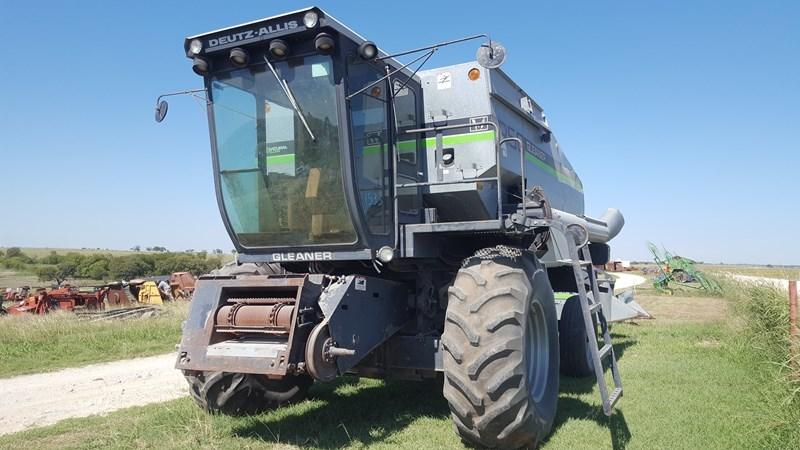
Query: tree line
pixel 102 266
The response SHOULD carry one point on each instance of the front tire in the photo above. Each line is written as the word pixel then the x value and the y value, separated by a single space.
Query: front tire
pixel 242 393
pixel 501 344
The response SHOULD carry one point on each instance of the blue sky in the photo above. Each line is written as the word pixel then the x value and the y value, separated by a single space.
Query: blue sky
pixel 684 115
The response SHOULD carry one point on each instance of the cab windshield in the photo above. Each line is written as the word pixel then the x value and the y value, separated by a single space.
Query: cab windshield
pixel 280 187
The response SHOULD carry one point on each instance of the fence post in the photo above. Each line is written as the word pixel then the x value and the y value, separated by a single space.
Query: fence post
pixel 794 334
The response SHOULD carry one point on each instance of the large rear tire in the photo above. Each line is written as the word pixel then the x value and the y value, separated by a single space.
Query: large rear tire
pixel 501 344
pixel 241 393
pixel 576 361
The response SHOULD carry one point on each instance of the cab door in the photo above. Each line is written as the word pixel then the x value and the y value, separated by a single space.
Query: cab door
pixel 410 148
pixel 370 141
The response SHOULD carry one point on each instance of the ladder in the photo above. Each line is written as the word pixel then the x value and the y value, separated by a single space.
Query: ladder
pixel 586 280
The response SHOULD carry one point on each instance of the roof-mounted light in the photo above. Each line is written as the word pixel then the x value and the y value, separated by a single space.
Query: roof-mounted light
pixel 200 66
pixel 367 50
pixel 238 57
pixel 324 42
pixel 311 19
pixel 195 47
pixel 278 48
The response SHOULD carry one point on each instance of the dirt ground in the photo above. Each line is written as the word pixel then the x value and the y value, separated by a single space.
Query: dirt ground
pixel 31 401
pixel 684 309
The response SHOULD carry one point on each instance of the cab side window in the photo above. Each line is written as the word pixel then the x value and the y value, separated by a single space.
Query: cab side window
pixel 370 141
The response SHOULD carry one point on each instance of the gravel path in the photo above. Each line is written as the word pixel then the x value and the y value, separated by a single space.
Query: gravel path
pixel 30 401
pixel 776 282
pixel 626 281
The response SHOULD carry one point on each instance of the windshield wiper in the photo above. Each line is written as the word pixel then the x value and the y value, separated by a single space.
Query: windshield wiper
pixel 290 96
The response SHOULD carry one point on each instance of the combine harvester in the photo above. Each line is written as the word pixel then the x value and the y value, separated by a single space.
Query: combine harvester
pixel 425 219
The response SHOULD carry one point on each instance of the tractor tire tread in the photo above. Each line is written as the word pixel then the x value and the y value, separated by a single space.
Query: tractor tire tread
pixel 485 383
pixel 243 394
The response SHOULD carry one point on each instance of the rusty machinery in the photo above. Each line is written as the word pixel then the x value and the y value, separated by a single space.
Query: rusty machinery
pixel 425 217
pixel 65 298
pixel 182 285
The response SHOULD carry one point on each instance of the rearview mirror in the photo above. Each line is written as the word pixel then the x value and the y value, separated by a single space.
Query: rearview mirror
pixel 491 55
pixel 161 110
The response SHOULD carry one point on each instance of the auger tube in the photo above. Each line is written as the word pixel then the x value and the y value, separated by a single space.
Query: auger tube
pixel 600 230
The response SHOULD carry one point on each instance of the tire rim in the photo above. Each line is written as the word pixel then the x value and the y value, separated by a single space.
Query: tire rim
pixel 538 357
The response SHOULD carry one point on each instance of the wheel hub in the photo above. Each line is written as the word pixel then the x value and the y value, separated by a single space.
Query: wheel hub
pixel 320 363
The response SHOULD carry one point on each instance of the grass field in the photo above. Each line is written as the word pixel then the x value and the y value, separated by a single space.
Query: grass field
pixel 689 383
pixel 786 273
pixel 12 279
pixel 31 344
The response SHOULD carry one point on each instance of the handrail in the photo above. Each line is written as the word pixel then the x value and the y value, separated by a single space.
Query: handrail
pixel 523 181
pixel 438 130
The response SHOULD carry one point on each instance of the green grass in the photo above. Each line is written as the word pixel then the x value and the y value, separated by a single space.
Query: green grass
pixel 687 386
pixel 786 273
pixel 31 344
pixel 14 279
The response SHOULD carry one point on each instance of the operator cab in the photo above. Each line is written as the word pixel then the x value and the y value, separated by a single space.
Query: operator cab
pixel 301 157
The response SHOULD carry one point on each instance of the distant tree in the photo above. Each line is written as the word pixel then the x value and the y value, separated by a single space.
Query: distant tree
pixel 66 269
pixel 233 251
pixel 136 248
pixel 128 267
pixel 58 273
pixel 47 273
pixel 2 254
pixel 95 268
pixel 15 259
pixel 53 258
pixel 217 251
pixel 190 250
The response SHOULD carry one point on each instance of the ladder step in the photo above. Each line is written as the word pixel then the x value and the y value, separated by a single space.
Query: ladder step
pixel 614 397
pixel 605 351
pixel 582 262
pixel 594 307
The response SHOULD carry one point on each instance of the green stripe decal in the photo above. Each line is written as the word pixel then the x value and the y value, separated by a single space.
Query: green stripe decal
pixel 562 295
pixel 410 146
pixel 281 159
pixel 402 147
pixel 466 138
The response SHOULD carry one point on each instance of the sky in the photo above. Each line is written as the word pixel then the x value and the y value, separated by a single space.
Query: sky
pixel 684 115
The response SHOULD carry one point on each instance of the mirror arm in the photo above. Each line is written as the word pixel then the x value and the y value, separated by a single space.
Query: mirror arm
pixel 162 106
pixel 170 94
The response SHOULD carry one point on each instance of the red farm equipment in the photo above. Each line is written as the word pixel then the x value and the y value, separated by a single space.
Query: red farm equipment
pixel 66 298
